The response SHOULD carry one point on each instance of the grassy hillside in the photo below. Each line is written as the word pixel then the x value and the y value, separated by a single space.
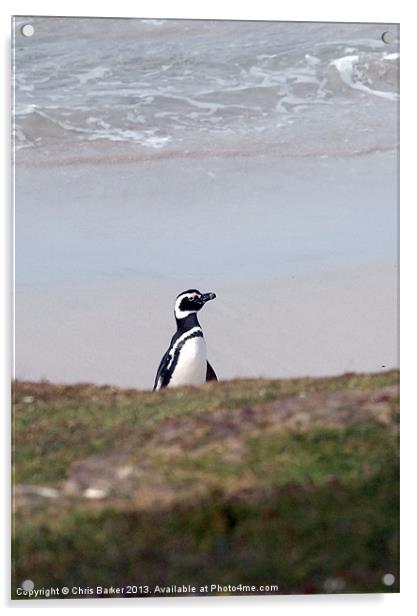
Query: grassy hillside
pixel 257 482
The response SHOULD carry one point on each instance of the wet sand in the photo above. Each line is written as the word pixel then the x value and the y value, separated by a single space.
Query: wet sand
pixel 301 253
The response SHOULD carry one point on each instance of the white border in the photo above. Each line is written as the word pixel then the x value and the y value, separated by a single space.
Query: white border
pixel 319 10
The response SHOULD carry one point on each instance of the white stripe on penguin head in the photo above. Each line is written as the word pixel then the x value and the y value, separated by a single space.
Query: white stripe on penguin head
pixel 181 314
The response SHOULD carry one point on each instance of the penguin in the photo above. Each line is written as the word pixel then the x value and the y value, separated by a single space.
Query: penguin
pixel 185 362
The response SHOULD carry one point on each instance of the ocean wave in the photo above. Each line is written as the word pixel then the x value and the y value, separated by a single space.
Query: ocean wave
pixel 166 84
pixel 359 75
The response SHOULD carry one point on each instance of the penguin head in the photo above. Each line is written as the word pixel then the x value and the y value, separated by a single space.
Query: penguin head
pixel 191 301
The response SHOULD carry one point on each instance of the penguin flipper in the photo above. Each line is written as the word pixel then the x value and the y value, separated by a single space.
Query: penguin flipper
pixel 160 379
pixel 210 374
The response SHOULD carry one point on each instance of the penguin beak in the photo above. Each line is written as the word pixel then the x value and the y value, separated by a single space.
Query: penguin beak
pixel 206 297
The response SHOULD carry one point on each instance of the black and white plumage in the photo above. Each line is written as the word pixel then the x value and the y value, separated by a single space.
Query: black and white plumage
pixel 185 362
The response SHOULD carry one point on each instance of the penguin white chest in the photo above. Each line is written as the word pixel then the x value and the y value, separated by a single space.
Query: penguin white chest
pixel 191 366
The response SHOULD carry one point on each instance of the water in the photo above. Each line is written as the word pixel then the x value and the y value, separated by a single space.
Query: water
pixel 92 89
pixel 203 222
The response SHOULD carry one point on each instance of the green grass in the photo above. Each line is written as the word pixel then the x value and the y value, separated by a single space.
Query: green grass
pixel 291 482
pixel 66 423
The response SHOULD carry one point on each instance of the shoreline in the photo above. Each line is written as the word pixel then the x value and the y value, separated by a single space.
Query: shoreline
pixel 128 153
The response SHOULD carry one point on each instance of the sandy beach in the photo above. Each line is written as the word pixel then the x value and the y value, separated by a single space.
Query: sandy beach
pixel 320 324
pixel 304 285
